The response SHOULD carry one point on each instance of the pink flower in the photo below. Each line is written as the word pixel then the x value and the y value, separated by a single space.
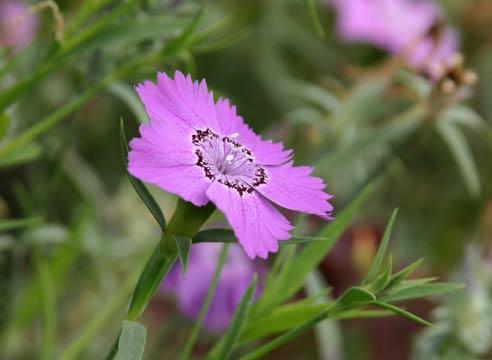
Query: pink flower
pixel 17 24
pixel 203 151
pixel 399 27
pixel 190 290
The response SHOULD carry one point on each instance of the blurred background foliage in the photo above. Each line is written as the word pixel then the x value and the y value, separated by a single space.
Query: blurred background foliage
pixel 74 235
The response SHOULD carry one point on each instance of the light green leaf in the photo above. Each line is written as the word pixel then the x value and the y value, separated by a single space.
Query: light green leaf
pixel 462 154
pixel 419 291
pixel 227 236
pixel 238 321
pixel 21 155
pixel 401 312
pixel 126 94
pixel 383 279
pixel 280 319
pixel 188 347
pixel 183 243
pixel 313 14
pixel 132 341
pixel 4 124
pixel 139 187
pixel 378 259
pixel 461 114
pixel 355 296
pixel 404 273
pixel 14 224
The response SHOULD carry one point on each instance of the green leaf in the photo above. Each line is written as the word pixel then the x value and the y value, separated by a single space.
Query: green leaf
pixel 404 273
pixel 462 154
pixel 176 45
pixel 156 267
pixel 4 124
pixel 355 296
pixel 21 155
pixel 378 259
pixel 313 14
pixel 284 338
pixel 461 114
pixel 227 236
pixel 238 321
pixel 401 312
pixel 15 224
pixel 419 291
pixel 383 280
pixel 291 279
pixel 139 187
pixel 126 94
pixel 183 243
pixel 188 347
pixel 280 319
pixel 132 341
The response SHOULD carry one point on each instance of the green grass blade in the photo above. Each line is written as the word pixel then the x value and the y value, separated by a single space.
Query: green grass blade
pixel 401 312
pixel 188 347
pixel 138 185
pixel 238 321
pixel 15 224
pixel 378 259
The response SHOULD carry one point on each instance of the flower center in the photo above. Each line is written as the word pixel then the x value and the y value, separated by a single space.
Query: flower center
pixel 225 160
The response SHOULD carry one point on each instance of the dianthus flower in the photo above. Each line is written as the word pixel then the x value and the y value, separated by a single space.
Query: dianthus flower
pixel 17 24
pixel 411 28
pixel 203 151
pixel 190 290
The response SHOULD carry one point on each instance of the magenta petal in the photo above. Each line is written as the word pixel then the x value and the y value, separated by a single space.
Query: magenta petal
pixel 293 188
pixel 256 223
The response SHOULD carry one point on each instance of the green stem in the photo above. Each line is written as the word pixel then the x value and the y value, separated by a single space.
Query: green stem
pixel 282 339
pixel 49 305
pixel 186 221
pixel 205 306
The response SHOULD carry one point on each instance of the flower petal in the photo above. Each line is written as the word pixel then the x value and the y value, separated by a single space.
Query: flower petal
pixel 256 223
pixel 293 188
pixel 153 159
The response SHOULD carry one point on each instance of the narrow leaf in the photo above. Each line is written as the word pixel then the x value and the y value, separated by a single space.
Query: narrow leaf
pixel 227 236
pixel 383 280
pixel 183 243
pixel 14 224
pixel 21 155
pixel 139 187
pixel 401 312
pixel 188 347
pixel 352 297
pixel 462 154
pixel 238 321
pixel 132 341
pixel 156 267
pixel 404 273
pixel 420 291
pixel 313 14
pixel 378 259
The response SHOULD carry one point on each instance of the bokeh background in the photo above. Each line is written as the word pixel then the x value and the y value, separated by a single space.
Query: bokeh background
pixel 351 110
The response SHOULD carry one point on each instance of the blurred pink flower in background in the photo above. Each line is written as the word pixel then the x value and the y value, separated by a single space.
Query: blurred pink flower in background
pixel 17 24
pixel 190 290
pixel 411 28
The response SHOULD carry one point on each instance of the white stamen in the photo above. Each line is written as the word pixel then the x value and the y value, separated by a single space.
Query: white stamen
pixel 233 136
pixel 229 158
